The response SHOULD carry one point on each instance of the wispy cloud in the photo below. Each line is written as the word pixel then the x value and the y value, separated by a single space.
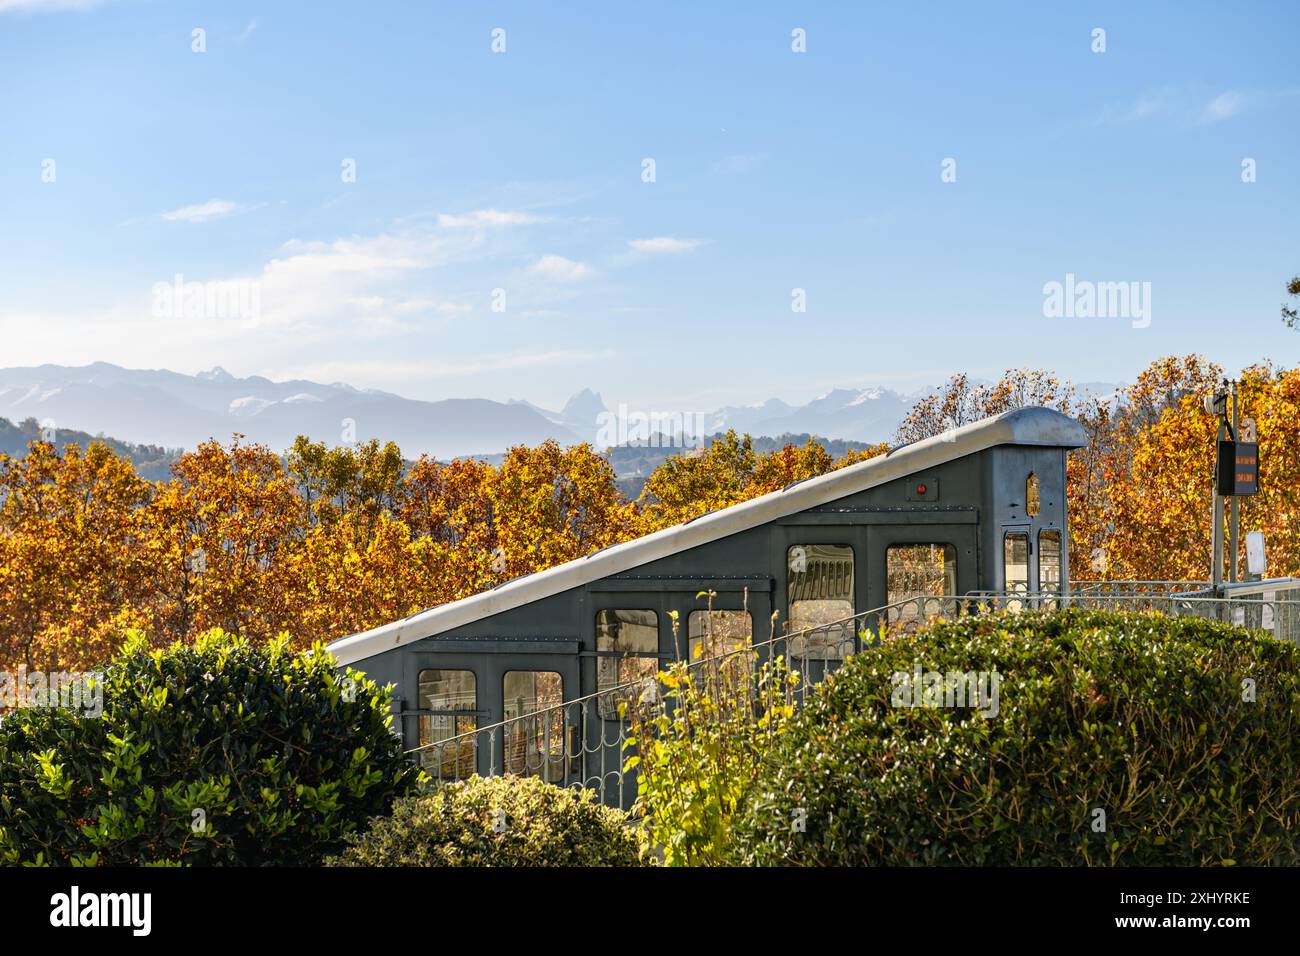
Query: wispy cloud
pixel 560 269
pixel 487 217
pixel 46 6
pixel 314 283
pixel 664 245
pixel 202 212
pixel 1222 107
pixel 1148 105
pixel 435 306
pixel 350 297
pixel 248 30
pixel 1185 107
pixel 422 370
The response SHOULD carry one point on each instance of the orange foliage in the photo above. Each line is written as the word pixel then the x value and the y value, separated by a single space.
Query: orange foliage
pixel 70 556
pixel 728 472
pixel 330 541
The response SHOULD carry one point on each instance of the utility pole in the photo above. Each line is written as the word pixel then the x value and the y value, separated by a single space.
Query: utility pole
pixel 1217 405
pixel 1233 505
pixel 1216 538
pixel 1236 473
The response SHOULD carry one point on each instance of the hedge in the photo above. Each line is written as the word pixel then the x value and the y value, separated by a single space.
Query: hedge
pixel 219 752
pixel 498 821
pixel 1119 739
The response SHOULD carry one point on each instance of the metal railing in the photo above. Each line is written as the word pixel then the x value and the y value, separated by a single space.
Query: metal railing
pixel 1136 587
pixel 575 744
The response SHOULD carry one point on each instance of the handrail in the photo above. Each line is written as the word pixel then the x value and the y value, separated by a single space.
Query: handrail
pixel 575 743
pixel 632 685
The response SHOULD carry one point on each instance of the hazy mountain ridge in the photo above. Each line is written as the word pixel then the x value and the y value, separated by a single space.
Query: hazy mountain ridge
pixel 168 408
pixel 157 407
pixel 849 414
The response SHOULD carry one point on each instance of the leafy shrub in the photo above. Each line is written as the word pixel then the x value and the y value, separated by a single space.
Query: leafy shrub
pixel 213 753
pixel 497 821
pixel 1147 719
pixel 700 742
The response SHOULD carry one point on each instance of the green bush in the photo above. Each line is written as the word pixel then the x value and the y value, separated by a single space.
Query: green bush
pixel 1147 719
pixel 498 821
pixel 218 752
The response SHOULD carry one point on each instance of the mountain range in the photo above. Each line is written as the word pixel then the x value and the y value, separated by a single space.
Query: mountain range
pixel 171 409
pixel 176 410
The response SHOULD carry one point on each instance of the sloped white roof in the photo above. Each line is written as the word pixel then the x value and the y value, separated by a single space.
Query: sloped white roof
pixel 1024 426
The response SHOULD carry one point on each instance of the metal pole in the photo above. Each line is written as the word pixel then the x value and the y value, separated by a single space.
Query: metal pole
pixel 1216 523
pixel 1216 562
pixel 1234 516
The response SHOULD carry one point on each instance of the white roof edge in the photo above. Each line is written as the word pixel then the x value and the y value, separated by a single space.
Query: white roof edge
pixel 1023 426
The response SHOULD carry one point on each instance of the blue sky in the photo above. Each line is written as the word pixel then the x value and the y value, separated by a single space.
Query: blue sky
pixel 523 171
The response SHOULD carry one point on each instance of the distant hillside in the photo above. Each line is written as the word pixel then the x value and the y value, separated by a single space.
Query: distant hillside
pixel 632 464
pixel 179 410
pixel 151 461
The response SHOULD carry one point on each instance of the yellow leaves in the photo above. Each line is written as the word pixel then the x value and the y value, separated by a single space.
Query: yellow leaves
pixel 336 540
pixel 725 473
pixel 1146 493
pixel 330 541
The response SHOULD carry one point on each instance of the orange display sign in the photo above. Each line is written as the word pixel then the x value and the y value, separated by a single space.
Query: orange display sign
pixel 1238 468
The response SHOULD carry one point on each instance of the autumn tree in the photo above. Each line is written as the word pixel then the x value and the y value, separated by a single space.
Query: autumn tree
pixel 450 502
pixel 1163 470
pixel 220 531
pixel 551 505
pixel 363 479
pixel 71 564
pixel 1290 314
pixel 1149 466
pixel 330 541
pixel 697 481
pixel 728 472
pixel 959 402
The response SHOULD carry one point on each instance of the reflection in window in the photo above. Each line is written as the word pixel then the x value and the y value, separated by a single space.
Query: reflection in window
pixel 627 645
pixel 1031 495
pixel 720 639
pixel 1015 562
pixel 819 592
pixel 535 724
pixel 1049 560
pixel 448 694
pixel 712 633
pixel 917 571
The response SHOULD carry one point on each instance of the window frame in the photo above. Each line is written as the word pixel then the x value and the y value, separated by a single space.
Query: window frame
pixel 950 560
pixel 692 641
pixel 607 693
pixel 551 763
pixel 1059 586
pixel 1007 535
pixel 456 715
pixel 834 644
